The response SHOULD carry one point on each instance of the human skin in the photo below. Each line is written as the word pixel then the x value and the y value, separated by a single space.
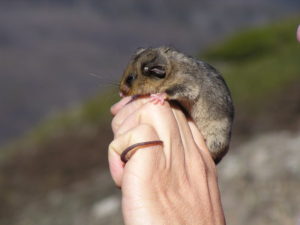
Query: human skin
pixel 171 184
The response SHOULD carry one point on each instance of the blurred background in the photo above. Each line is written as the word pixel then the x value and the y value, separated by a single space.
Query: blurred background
pixel 60 62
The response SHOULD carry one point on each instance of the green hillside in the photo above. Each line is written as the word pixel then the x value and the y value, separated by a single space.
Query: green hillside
pixel 258 63
pixel 78 121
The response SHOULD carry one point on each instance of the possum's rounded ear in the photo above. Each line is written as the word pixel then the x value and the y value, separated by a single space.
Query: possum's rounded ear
pixel 139 51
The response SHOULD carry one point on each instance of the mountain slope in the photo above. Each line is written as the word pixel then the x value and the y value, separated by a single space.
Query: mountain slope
pixel 261 67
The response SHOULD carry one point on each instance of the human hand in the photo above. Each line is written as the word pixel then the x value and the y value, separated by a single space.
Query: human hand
pixel 171 184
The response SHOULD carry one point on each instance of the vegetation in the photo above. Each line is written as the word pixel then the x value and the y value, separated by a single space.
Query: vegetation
pixel 89 115
pixel 259 62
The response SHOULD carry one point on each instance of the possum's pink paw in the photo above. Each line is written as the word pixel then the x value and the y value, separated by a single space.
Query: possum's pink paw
pixel 121 94
pixel 158 98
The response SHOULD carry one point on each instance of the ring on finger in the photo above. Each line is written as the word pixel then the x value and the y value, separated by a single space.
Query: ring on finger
pixel 129 151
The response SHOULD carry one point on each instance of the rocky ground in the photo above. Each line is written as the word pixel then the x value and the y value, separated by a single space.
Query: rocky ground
pixel 259 181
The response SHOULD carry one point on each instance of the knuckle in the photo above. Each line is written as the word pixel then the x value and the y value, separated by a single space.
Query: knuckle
pixel 137 134
pixel 112 146
pixel 151 112
pixel 127 125
pixel 115 123
pixel 149 107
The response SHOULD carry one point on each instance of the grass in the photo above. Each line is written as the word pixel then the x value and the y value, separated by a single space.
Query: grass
pixel 259 62
pixel 256 43
pixel 89 115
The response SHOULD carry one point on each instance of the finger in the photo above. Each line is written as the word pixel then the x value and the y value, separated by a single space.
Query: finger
pixel 210 168
pixel 124 110
pixel 184 129
pixel 116 167
pixel 129 151
pixel 119 105
pixel 193 141
pixel 199 139
pixel 139 134
pixel 162 118
pixel 136 113
pixel 202 160
pixel 193 155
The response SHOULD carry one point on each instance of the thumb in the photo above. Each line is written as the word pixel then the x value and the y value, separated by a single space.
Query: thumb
pixel 138 158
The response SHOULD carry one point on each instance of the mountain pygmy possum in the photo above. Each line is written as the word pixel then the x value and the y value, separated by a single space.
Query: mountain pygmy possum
pixel 195 86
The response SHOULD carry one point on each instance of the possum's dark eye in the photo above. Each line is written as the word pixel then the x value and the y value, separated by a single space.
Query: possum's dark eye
pixel 155 71
pixel 129 79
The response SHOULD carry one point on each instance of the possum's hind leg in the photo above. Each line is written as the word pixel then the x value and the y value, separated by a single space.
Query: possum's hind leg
pixel 217 148
pixel 217 137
